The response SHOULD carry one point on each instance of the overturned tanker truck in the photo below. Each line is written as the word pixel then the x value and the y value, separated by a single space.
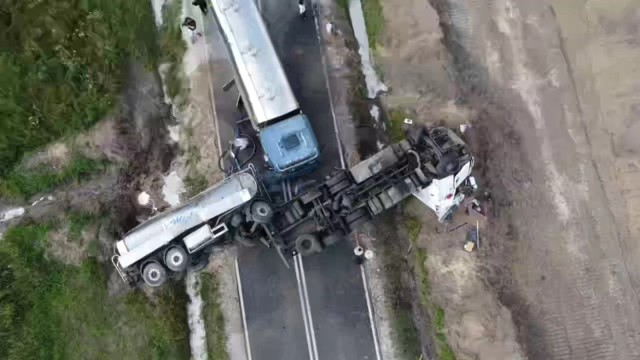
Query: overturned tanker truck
pixel 432 164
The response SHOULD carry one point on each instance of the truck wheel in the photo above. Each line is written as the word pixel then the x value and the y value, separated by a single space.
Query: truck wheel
pixel 261 212
pixel 199 262
pixel 154 274
pixel 176 259
pixel 448 165
pixel 339 187
pixel 308 244
pixel 334 179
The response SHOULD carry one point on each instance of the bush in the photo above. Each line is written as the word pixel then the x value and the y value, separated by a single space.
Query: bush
pixel 61 66
pixel 20 183
pixel 53 311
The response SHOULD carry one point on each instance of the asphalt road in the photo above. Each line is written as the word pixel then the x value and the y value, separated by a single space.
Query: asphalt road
pixel 274 295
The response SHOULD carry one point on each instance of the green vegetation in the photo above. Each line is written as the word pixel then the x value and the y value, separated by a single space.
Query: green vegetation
pixel 79 222
pixel 23 183
pixel 395 124
pixel 53 311
pixel 444 350
pixel 173 49
pixel 374 21
pixel 406 335
pixel 62 66
pixel 413 227
pixel 213 318
pixel 195 184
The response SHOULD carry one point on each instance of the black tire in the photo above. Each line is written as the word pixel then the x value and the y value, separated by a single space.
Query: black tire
pixel 334 179
pixel 339 187
pixel 199 262
pixel 154 274
pixel 449 165
pixel 176 259
pixel 236 220
pixel 261 212
pixel 308 244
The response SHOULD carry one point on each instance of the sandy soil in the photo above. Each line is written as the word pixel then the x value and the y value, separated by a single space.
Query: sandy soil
pixel 341 63
pixel 413 62
pixel 551 91
pixel 555 95
pixel 222 263
pixel 418 67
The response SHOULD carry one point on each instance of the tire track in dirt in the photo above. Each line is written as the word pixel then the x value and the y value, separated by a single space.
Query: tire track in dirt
pixel 580 304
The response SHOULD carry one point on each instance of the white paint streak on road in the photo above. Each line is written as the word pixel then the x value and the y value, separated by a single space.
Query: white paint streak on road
pixel 157 6
pixel 305 293
pixel 304 309
pixel 172 189
pixel 11 214
pixel 374 85
pixel 374 333
pixel 244 316
pixel 197 330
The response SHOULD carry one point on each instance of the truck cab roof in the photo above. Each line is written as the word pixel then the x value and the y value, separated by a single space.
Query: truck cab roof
pixel 289 143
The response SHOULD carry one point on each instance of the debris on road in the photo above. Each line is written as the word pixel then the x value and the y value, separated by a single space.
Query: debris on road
pixel 11 213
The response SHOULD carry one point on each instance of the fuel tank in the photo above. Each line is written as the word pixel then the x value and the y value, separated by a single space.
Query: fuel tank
pixel 158 231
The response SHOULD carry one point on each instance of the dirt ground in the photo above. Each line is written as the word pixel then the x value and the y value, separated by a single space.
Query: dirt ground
pixel 547 152
pixel 418 69
pixel 551 92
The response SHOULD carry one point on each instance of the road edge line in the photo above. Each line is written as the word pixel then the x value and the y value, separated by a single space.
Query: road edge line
pixel 374 330
pixel 328 83
pixel 306 298
pixel 211 88
pixel 242 311
pixel 303 308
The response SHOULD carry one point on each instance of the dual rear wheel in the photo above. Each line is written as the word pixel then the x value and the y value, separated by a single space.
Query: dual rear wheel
pixel 155 274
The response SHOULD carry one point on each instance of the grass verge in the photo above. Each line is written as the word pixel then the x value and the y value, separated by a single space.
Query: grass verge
pixel 62 66
pixel 53 311
pixel 374 21
pixel 405 334
pixel 395 124
pixel 195 184
pixel 22 184
pixel 78 222
pixel 173 48
pixel 213 318
pixel 413 227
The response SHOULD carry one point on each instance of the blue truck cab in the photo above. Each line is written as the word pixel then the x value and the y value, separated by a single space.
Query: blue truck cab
pixel 284 131
pixel 290 145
